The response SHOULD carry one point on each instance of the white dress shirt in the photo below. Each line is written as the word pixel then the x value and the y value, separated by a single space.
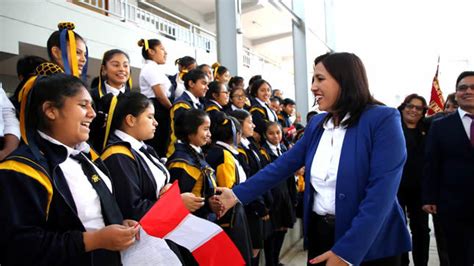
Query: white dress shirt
pixel 216 103
pixel 160 178
pixel 240 169
pixel 466 122
pixel 233 107
pixel 8 122
pixel 180 88
pixel 85 197
pixel 150 75
pixel 276 149
pixel 113 90
pixel 325 167
pixel 246 143
pixel 194 99
pixel 270 113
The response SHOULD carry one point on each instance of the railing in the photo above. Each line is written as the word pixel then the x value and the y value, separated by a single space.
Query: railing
pixel 125 11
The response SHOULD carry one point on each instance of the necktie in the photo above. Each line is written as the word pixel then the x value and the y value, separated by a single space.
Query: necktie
pixel 148 152
pixel 199 106
pixel 278 152
pixel 472 128
pixel 109 205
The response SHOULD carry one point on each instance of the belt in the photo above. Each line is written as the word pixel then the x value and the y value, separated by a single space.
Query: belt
pixel 327 218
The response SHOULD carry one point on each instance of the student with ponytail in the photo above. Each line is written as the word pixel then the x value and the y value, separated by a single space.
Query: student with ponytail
pixel 68 50
pixel 156 86
pixel 221 73
pixel 114 78
pixel 222 156
pixel 56 196
pixel 185 64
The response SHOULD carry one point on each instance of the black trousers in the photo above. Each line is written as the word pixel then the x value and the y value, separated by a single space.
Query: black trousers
pixel 321 239
pixel 441 244
pixel 460 239
pixel 410 201
pixel 161 139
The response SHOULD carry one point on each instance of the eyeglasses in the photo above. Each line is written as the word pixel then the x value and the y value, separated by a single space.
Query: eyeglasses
pixel 239 97
pixel 417 107
pixel 464 87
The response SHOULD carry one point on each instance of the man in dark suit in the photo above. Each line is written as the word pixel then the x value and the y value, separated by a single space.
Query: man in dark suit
pixel 449 176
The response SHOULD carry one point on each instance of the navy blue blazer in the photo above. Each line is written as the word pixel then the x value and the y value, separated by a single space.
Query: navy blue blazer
pixel 369 221
pixel 449 169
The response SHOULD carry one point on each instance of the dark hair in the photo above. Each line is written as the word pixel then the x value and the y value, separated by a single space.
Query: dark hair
pixel 235 81
pixel 276 99
pixel 253 79
pixel 185 61
pixel 421 124
pixel 200 67
pixel 109 54
pixel 55 88
pixel 288 101
pixel 131 103
pixel 349 72
pixel 224 128
pixel 310 115
pixel 451 98
pixel 270 124
pixel 53 40
pixel 274 92
pixel 218 69
pixel 234 90
pixel 214 88
pixel 256 85
pixel 152 43
pixel 463 75
pixel 188 123
pixel 26 66
pixel 240 115
pixel 193 75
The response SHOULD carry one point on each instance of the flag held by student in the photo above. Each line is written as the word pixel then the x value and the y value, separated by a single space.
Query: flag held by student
pixel 209 244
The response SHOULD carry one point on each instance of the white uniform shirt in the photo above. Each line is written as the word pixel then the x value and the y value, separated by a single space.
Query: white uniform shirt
pixel 325 167
pixel 466 122
pixel 8 122
pixel 160 178
pixel 271 114
pixel 194 99
pixel 179 87
pixel 114 91
pixel 151 75
pixel 85 196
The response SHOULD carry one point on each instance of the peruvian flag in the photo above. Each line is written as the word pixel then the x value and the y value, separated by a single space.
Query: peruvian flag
pixel 209 244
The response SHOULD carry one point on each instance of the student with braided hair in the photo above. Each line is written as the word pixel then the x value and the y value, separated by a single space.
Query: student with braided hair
pixel 155 85
pixel 185 64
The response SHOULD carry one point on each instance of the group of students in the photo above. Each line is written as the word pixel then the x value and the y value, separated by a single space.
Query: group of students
pixel 93 162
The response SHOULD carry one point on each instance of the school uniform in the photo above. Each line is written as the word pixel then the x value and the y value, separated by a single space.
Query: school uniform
pixel 194 174
pixel 48 201
pixel 252 161
pixel 138 177
pixel 261 115
pixel 177 86
pixel 186 101
pixel 223 159
pixel 97 127
pixel 151 75
pixel 212 109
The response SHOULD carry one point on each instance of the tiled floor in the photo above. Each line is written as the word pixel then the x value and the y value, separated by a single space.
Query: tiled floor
pixel 297 256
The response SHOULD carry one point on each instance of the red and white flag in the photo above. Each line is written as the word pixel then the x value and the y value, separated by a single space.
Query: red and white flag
pixel 436 104
pixel 208 243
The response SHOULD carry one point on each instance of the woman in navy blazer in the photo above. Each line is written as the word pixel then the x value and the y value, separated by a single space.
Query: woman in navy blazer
pixel 368 223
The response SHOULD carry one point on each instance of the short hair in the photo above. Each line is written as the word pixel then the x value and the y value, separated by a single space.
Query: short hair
pixel 193 75
pixel 288 101
pixel 349 72
pixel 256 85
pixel 26 66
pixel 188 123
pixel 463 75
pixel 224 128
pixel 152 43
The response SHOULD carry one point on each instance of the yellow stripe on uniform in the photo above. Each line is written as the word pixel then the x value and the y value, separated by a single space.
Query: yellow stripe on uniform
pixel 244 153
pixel 212 108
pixel 37 175
pixel 173 138
pixel 193 172
pixel 253 109
pixel 264 153
pixel 110 117
pixel 116 149
pixel 225 173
